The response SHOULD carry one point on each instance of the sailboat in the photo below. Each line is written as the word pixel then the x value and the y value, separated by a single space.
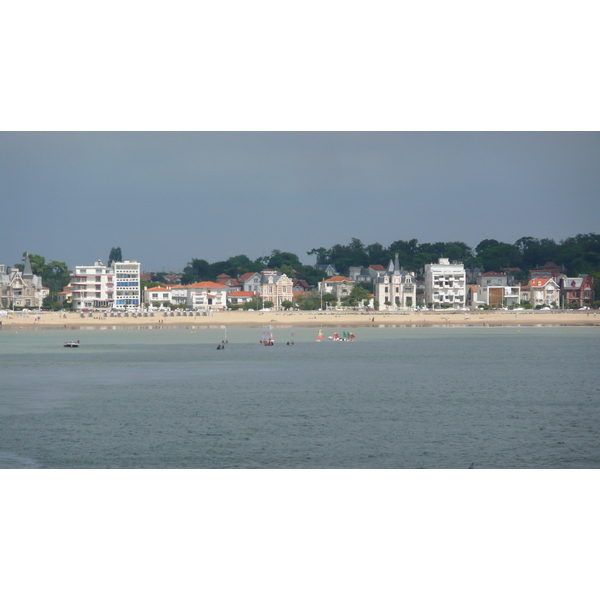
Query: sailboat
pixel 320 336
pixel 267 336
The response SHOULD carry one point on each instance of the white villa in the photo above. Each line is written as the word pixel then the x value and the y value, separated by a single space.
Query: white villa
pixel 207 295
pixel 544 291
pixel 395 287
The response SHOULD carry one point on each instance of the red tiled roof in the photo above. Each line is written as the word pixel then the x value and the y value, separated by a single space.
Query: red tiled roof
pixel 339 278
pixel 539 281
pixel 246 276
pixel 206 285
pixel 242 294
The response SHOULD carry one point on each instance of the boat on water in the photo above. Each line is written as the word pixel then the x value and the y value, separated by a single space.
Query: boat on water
pixel 320 336
pixel 71 344
pixel 345 337
pixel 267 338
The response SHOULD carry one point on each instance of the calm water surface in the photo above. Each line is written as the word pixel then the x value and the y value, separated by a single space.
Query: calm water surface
pixel 443 397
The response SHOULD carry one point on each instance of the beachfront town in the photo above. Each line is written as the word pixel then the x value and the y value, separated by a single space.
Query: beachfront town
pixel 443 285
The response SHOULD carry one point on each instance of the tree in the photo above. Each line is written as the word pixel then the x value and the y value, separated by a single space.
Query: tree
pixel 279 258
pixel 330 299
pixel 310 300
pixel 196 270
pixel 496 255
pixel 357 296
pixel 287 304
pixel 322 255
pixel 115 255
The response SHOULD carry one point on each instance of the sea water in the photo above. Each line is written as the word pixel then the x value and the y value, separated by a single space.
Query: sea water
pixel 396 398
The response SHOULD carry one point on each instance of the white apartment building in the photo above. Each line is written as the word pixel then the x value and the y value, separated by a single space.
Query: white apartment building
pixel 93 286
pixel 98 286
pixel 127 280
pixel 445 284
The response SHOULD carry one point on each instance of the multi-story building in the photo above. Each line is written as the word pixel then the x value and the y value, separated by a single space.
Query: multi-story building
pixel 395 288
pixel 127 281
pixel 21 290
pixel 92 286
pixel 445 284
pixel 276 288
pixel 100 286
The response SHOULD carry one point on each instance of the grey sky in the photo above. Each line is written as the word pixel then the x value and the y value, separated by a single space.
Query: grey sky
pixel 166 198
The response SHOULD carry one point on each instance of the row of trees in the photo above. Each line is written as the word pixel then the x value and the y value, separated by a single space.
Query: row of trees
pixel 579 254
pixel 285 262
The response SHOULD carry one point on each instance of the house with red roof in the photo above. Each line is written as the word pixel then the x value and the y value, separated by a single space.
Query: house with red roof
pixel 544 291
pixel 158 296
pixel 207 295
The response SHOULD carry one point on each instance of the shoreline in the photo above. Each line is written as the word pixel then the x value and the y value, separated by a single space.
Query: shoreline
pixel 305 319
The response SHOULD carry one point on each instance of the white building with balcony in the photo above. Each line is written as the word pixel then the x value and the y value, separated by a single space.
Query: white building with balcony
pixel 93 286
pixel 445 284
pixel 207 295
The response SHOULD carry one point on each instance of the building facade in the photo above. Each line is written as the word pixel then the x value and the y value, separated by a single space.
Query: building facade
pixel 92 286
pixel 445 284
pixel 544 292
pixel 127 282
pixel 276 288
pixel 21 289
pixel 341 287
pixel 395 288
pixel 577 291
pixel 207 295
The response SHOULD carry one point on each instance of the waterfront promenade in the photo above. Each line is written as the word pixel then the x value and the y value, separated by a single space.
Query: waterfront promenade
pixel 339 319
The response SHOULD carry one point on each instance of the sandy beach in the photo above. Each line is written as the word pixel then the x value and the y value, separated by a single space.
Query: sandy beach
pixel 340 320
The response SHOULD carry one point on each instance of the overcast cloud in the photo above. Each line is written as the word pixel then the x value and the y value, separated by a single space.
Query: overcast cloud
pixel 166 198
